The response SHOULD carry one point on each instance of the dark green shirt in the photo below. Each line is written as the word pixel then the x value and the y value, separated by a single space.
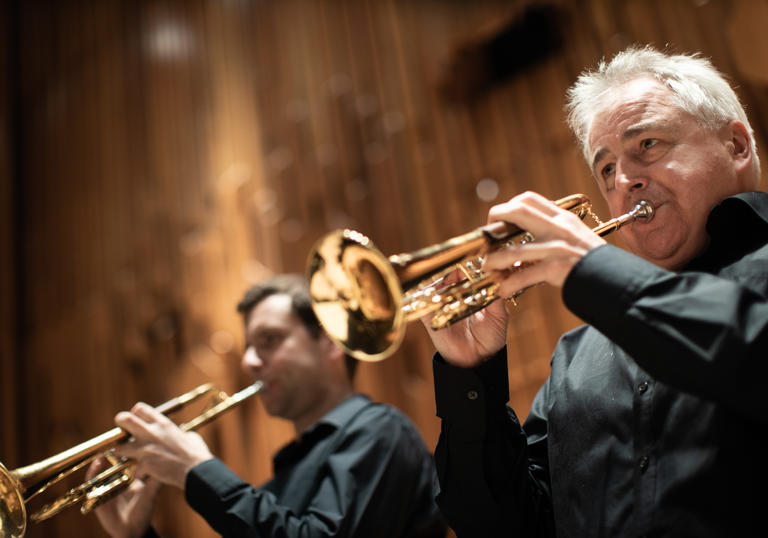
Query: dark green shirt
pixel 362 471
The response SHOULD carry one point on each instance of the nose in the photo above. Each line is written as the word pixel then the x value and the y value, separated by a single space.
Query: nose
pixel 630 177
pixel 251 362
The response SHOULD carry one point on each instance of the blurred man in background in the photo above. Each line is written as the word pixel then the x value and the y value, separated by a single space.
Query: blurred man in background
pixel 356 468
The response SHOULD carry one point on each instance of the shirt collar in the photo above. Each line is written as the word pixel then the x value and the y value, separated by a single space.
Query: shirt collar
pixel 340 415
pixel 329 423
pixel 744 208
pixel 737 225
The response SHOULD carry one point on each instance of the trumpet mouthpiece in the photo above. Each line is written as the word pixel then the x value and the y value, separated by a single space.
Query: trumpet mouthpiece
pixel 643 210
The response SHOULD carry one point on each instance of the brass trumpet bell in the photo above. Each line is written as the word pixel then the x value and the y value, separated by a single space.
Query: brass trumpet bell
pixel 364 300
pixel 356 295
pixel 13 516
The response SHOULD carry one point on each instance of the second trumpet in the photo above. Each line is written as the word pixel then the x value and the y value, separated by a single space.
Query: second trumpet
pixel 19 486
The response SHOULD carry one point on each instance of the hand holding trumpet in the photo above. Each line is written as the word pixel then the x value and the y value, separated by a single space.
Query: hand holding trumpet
pixel 164 452
pixel 128 515
pixel 562 239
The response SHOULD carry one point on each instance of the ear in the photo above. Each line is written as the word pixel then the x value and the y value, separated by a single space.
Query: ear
pixel 738 142
pixel 332 351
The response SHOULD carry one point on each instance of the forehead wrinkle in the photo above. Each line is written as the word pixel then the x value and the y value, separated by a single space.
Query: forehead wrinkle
pixel 643 127
pixel 641 96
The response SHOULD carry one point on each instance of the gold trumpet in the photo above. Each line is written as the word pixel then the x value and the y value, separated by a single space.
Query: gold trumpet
pixel 364 300
pixel 19 486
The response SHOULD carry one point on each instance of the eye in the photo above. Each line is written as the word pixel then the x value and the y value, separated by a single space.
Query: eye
pixel 648 143
pixel 606 174
pixel 268 340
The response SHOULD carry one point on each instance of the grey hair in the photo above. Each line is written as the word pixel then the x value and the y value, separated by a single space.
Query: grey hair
pixel 697 86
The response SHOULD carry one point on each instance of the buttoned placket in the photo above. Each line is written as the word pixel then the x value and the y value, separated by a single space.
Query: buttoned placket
pixel 644 492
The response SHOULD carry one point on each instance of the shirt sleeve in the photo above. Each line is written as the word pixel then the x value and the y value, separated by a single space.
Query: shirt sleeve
pixel 491 483
pixel 364 490
pixel 698 332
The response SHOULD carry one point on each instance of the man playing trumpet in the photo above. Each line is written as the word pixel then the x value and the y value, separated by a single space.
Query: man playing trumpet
pixel 356 468
pixel 648 424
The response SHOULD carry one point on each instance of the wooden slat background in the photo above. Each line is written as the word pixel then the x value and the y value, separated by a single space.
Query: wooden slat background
pixel 159 156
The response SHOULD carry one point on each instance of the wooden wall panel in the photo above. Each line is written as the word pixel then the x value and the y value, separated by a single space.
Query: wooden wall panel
pixel 9 329
pixel 172 152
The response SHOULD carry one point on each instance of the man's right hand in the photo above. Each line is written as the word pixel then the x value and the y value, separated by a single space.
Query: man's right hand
pixel 474 339
pixel 129 514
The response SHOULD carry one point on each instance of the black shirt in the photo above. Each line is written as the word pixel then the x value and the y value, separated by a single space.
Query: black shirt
pixel 650 421
pixel 362 470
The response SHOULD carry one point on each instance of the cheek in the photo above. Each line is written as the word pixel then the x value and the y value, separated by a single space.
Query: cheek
pixel 627 237
pixel 615 205
pixel 278 363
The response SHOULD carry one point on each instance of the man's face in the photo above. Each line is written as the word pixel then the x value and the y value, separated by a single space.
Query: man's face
pixel 281 352
pixel 643 147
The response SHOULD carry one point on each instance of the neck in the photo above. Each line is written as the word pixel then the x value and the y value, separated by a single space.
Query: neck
pixel 332 399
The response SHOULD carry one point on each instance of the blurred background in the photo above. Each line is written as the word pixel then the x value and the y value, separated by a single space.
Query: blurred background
pixel 157 157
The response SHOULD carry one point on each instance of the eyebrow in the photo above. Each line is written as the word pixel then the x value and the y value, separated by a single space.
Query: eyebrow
pixel 631 132
pixel 597 158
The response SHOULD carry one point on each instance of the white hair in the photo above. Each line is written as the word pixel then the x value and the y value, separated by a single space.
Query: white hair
pixel 698 88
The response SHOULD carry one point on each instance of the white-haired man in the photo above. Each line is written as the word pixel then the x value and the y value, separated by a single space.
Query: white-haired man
pixel 648 424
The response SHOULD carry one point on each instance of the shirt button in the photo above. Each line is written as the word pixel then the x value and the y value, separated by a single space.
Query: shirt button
pixel 643 463
pixel 472 395
pixel 642 387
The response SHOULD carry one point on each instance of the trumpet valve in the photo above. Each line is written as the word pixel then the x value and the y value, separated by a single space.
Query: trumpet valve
pixel 467 299
pixel 105 492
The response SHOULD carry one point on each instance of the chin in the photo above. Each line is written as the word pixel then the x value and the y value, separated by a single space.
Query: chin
pixel 658 247
pixel 272 408
pixel 670 258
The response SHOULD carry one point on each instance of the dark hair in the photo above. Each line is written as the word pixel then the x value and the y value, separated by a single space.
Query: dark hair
pixel 294 286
